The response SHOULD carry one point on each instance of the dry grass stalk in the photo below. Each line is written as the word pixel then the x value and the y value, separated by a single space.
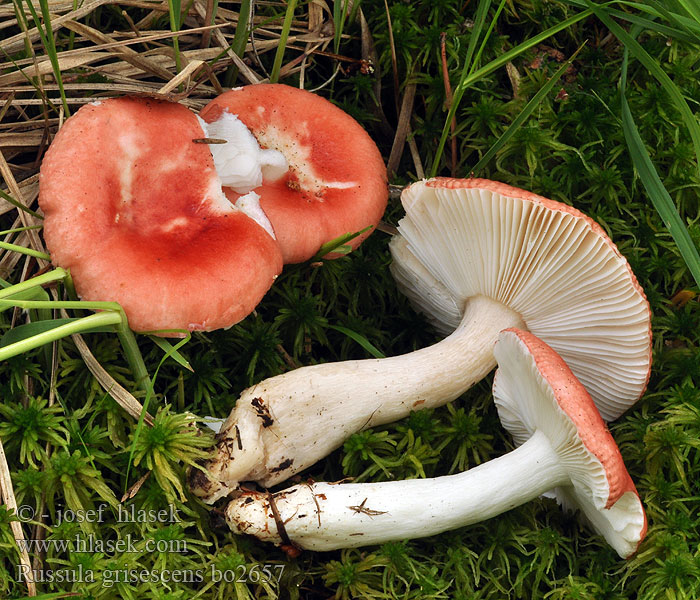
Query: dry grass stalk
pixel 8 496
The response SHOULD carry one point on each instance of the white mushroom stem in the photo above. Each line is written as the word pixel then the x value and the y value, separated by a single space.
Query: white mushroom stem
pixel 564 448
pixel 285 424
pixel 325 516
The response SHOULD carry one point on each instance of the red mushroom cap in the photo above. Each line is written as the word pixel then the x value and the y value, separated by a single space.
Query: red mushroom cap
pixel 134 208
pixel 336 182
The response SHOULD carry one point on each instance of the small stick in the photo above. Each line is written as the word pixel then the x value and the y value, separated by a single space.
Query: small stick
pixel 278 521
pixel 448 102
pixel 206 37
pixel 367 511
pixel 181 76
pixel 291 363
pixel 209 141
pixel 402 128
pixel 134 489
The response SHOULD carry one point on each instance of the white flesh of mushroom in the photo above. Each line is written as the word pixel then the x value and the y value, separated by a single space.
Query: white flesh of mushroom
pixel 241 164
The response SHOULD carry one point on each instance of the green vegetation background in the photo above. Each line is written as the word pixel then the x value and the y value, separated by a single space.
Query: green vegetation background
pixel 76 454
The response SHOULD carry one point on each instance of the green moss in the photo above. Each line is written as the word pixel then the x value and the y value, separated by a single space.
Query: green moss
pixel 74 455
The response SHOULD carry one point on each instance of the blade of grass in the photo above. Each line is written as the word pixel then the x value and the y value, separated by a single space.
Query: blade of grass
pixel 19 205
pixel 240 38
pixel 661 199
pixel 656 10
pixel 174 8
pixel 49 43
pixel 360 339
pixel 339 244
pixel 30 294
pixel 284 34
pixel 340 9
pixel 686 36
pixel 53 304
pixel 690 26
pixel 658 194
pixel 52 596
pixel 23 332
pixel 84 324
pixel 504 58
pixel 132 352
pixel 24 250
pixel 167 347
pixel 479 20
pixel 636 50
pixel 525 113
pixel 489 31
pixel 55 275
pixel 692 9
pixel 20 229
pixel 467 69
pixel 24 27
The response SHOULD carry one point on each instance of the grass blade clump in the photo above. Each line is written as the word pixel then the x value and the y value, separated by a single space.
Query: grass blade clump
pixel 471 78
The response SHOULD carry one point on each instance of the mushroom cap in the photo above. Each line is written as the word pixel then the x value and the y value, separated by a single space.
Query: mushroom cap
pixel 336 183
pixel 534 390
pixel 543 259
pixel 134 208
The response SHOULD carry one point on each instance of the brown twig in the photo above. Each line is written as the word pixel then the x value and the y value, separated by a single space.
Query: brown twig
pixel 279 523
pixel 207 20
pixel 402 129
pixel 448 103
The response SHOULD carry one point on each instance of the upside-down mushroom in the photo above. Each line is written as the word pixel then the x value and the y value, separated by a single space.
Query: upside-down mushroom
pixel 564 449
pixel 496 256
pixel 134 208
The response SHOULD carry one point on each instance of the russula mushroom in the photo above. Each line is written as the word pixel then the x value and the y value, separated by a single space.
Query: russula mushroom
pixel 496 256
pixel 564 449
pixel 134 208
pixel 545 261
pixel 336 180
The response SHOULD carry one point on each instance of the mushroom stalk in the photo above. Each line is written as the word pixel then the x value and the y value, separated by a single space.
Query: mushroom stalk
pixel 325 516
pixel 564 448
pixel 268 436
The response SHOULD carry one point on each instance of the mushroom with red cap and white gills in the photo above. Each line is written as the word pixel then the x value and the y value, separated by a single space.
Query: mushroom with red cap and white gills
pixel 563 449
pixel 134 208
pixel 334 182
pixel 492 257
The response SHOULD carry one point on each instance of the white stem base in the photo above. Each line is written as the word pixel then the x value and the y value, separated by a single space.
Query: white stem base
pixel 287 423
pixel 325 516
